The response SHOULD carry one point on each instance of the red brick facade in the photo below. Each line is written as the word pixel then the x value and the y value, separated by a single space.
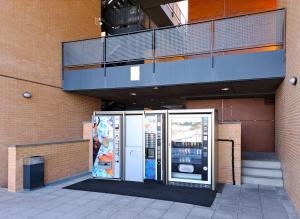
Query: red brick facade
pixel 30 52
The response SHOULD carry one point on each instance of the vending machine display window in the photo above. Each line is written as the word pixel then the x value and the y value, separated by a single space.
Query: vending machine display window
pixel 189 148
pixel 106 146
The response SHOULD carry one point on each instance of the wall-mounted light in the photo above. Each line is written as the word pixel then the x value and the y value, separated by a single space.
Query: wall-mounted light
pixel 293 81
pixel 27 95
pixel 225 89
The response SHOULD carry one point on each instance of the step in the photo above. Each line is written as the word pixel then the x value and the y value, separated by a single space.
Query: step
pixel 261 164
pixel 263 156
pixel 268 173
pixel 262 181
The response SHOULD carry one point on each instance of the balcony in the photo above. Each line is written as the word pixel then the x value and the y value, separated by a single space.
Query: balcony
pixel 248 48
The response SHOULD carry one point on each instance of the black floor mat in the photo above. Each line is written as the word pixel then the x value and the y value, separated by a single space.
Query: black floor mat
pixel 196 196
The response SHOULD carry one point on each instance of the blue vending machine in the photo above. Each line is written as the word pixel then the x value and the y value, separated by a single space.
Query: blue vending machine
pixel 154 146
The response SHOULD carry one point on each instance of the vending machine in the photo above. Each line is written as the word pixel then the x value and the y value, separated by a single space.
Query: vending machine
pixel 154 123
pixel 176 147
pixel 107 145
pixel 134 146
pixel 191 148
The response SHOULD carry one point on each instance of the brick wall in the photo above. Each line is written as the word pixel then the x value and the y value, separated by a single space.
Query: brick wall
pixel 61 160
pixel 256 117
pixel 32 31
pixel 287 110
pixel 50 115
pixel 87 135
pixel 229 131
pixel 212 9
pixel 3 165
pixel 30 60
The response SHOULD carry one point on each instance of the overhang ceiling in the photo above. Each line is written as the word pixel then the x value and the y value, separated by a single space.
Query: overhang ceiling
pixel 177 95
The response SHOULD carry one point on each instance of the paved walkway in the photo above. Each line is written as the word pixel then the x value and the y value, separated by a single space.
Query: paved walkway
pixel 54 202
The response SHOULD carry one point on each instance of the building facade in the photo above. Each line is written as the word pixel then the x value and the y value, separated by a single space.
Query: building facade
pixel 31 36
pixel 287 111
pixel 235 56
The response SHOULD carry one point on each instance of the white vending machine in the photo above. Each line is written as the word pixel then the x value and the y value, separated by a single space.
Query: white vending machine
pixel 192 148
pixel 134 146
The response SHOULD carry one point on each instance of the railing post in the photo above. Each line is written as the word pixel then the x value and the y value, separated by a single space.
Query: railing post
pixel 139 15
pixel 62 62
pixel 153 49
pixel 104 56
pixel 248 27
pixel 212 42
pixel 284 29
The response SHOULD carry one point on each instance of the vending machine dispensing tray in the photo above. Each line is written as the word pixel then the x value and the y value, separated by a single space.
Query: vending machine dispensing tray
pixel 195 196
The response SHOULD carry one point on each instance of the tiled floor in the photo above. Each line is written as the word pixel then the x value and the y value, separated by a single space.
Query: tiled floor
pixel 54 202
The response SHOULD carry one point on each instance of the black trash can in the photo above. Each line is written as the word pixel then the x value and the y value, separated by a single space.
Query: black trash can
pixel 33 172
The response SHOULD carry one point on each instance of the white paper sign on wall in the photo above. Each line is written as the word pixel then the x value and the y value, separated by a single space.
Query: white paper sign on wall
pixel 135 73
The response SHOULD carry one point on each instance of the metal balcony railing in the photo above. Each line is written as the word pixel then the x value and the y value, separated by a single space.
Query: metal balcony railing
pixel 209 37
